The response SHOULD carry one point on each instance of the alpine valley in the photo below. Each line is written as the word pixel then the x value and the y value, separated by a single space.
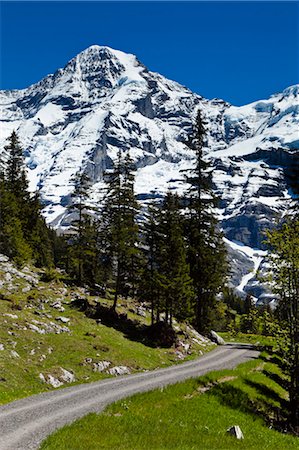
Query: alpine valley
pixel 104 100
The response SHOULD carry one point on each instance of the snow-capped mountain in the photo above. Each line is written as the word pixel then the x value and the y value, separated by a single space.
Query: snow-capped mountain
pixel 103 100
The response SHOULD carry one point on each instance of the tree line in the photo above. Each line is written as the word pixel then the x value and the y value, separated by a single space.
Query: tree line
pixel 169 253
pixel 24 234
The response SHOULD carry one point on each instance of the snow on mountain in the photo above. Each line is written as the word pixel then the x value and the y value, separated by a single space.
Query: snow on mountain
pixel 104 99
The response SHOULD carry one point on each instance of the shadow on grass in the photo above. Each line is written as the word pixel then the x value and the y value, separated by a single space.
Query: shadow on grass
pixel 268 393
pixel 281 381
pixel 238 399
pixel 241 346
pixel 158 335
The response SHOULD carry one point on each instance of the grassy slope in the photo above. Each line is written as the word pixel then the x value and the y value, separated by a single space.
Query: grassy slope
pixel 19 376
pixel 254 339
pixel 184 417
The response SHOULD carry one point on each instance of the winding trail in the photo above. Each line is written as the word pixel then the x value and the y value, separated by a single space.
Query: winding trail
pixel 25 423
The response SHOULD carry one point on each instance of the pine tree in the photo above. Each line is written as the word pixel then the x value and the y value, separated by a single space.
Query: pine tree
pixel 149 286
pixel 176 284
pixel 83 242
pixel 37 233
pixel 23 231
pixel 12 240
pixel 15 170
pixel 206 251
pixel 119 228
pixel 166 280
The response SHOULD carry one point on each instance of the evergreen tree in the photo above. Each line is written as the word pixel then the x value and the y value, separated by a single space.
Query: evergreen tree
pixel 37 233
pixel 206 251
pixel 23 231
pixel 15 170
pixel 12 241
pixel 166 278
pixel 175 282
pixel 82 244
pixel 119 231
pixel 149 286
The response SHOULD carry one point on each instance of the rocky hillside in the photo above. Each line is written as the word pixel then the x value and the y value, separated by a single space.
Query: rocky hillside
pixel 103 100
pixel 51 335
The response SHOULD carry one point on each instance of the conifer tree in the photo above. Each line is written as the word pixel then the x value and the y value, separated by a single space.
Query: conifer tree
pixel 23 231
pixel 166 281
pixel 149 286
pixel 12 240
pixel 37 233
pixel 15 171
pixel 206 251
pixel 175 282
pixel 119 228
pixel 82 244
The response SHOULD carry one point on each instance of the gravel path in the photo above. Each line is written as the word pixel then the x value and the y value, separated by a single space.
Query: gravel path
pixel 25 423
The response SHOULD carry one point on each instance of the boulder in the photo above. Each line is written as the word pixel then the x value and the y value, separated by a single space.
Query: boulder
pixel 100 366
pixel 236 432
pixel 63 319
pixel 216 338
pixel 67 376
pixel 119 370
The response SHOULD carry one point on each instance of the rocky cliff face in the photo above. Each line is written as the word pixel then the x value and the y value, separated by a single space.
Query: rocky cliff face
pixel 103 100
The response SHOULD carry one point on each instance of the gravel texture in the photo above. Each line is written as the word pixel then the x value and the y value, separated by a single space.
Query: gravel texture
pixel 25 423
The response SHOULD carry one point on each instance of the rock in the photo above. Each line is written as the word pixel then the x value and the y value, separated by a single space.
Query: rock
pixel 12 316
pixel 64 376
pixel 195 335
pixel 8 276
pixel 57 305
pixel 185 346
pixel 49 379
pixel 26 288
pixel 43 327
pixel 100 366
pixel 63 319
pixel 236 432
pixel 87 360
pixel 119 370
pixel 33 327
pixel 216 338
pixel 67 376
pixel 3 259
pixel 140 311
pixel 179 355
pixel 54 381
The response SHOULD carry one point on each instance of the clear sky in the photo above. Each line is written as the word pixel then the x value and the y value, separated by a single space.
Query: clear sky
pixel 238 51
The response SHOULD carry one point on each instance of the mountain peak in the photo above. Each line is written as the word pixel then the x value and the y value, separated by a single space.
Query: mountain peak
pixel 102 66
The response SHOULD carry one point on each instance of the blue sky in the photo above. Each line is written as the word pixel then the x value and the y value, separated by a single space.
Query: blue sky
pixel 238 51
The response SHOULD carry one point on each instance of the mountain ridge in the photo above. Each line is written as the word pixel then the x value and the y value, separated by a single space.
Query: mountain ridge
pixel 104 100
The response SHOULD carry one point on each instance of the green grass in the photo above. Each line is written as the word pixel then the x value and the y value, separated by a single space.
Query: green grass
pixel 184 416
pixel 19 376
pixel 255 339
